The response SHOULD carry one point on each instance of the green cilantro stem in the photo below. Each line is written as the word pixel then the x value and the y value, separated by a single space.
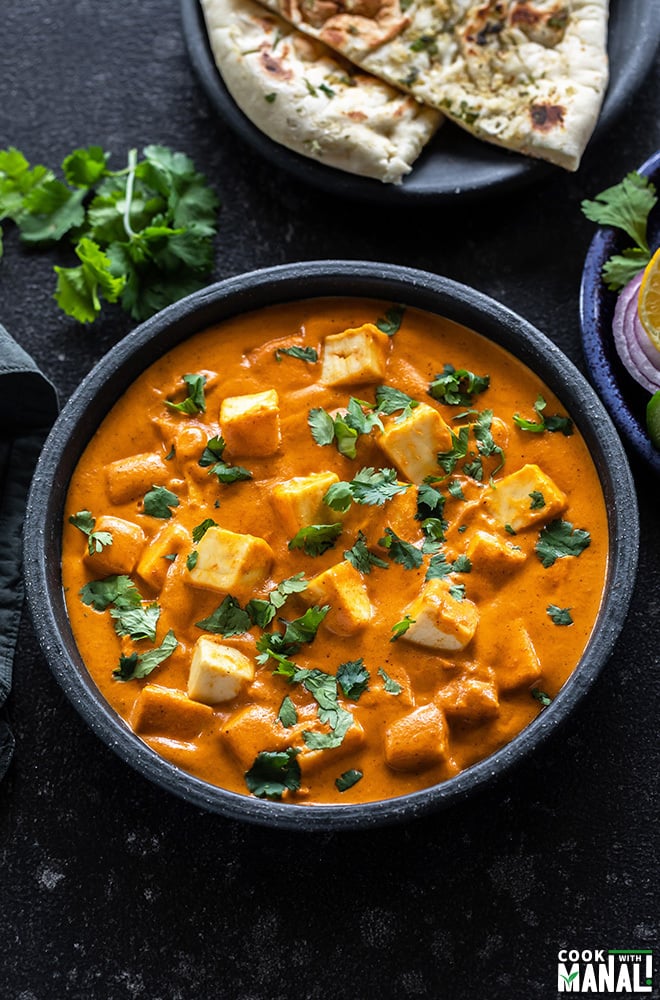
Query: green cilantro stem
pixel 130 183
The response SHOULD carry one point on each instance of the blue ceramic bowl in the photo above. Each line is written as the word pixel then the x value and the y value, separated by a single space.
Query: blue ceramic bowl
pixel 623 397
pixel 112 376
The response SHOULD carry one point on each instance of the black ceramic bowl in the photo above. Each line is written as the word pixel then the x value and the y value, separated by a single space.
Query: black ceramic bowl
pixel 108 380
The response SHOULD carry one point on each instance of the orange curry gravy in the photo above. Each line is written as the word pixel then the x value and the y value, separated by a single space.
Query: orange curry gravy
pixel 453 707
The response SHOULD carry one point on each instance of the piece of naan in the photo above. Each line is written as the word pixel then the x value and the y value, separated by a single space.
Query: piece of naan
pixel 529 75
pixel 308 98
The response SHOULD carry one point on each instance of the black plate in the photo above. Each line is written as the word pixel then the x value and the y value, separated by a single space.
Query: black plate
pixel 385 282
pixel 623 397
pixel 454 163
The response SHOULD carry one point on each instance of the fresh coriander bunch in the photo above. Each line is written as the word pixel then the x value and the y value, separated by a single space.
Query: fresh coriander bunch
pixel 143 235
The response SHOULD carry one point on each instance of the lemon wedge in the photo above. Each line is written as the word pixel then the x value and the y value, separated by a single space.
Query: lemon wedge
pixel 648 303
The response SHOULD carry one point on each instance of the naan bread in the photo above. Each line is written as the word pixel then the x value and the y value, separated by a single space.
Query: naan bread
pixel 528 75
pixel 306 97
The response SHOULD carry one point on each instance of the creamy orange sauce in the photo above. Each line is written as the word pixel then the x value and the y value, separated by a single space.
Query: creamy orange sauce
pixel 510 598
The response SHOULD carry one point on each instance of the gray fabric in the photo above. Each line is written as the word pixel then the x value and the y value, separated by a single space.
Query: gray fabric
pixel 28 406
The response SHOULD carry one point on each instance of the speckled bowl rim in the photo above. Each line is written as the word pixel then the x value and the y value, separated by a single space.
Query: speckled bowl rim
pixel 244 293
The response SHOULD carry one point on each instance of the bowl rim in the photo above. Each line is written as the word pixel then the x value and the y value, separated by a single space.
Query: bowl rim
pixel 248 292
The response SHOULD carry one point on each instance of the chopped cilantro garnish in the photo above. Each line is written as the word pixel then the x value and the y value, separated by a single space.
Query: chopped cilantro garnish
pixel 552 424
pixel 538 500
pixel 348 779
pixel 392 320
pixel 117 590
pixel 430 502
pixel 390 400
pixel 560 616
pixel 280 645
pixel 212 459
pixel 191 560
pixel 308 354
pixel 323 688
pixel 457 386
pixel 287 714
pixel 262 611
pixel 344 429
pixel 200 530
pixel 353 678
pixel 159 501
pixel 138 623
pixel 194 401
pixel 447 460
pixel 558 539
pixel 370 486
pixel 273 773
pixel 404 553
pixel 360 556
pixel 391 686
pixel 399 629
pixel 139 665
pixel 457 591
pixel 314 539
pixel 455 489
pixel 228 619
pixel 541 696
pixel 96 540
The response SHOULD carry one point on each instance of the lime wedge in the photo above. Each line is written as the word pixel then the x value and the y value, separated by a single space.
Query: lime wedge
pixel 653 418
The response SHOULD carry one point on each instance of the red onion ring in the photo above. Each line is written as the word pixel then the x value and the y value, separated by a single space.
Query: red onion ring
pixel 638 355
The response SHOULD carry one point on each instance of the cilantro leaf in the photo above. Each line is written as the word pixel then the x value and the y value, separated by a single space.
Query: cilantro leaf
pixel 560 616
pixel 321 425
pixel 390 400
pixel 79 288
pixel 430 502
pixel 447 460
pixel 136 666
pixel 194 401
pixel 308 354
pixel 85 167
pixel 404 553
pixel 138 623
pixel 96 540
pixel 348 779
pixel 273 773
pixel 541 696
pixel 287 714
pixel 227 620
pixel 483 435
pixel 457 591
pixel 391 322
pixel 213 451
pixel 391 686
pixel 559 539
pixel 625 206
pixel 353 678
pixel 262 612
pixel 360 556
pixel 200 530
pixel 159 501
pixel 538 500
pixel 323 688
pixel 117 590
pixel 375 486
pixel 457 387
pixel 280 645
pixel 552 424
pixel 400 628
pixel 314 539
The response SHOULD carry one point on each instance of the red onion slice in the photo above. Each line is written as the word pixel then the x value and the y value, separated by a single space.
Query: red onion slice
pixel 638 355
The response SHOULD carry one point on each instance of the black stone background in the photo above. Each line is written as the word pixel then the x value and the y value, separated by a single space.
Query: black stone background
pixel 111 888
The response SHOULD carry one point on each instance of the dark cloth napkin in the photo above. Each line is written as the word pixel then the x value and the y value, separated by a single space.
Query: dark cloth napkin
pixel 28 406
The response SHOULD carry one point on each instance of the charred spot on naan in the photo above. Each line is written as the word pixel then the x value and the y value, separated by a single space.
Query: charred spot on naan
pixel 274 66
pixel 544 23
pixel 545 117
pixel 371 22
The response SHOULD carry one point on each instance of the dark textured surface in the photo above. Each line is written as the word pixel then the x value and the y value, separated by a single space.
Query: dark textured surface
pixel 111 889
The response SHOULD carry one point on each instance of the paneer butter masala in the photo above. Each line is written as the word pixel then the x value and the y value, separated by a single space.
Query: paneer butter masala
pixel 333 551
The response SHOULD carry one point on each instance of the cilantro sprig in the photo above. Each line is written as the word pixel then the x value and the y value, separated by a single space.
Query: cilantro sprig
pixel 625 206
pixel 559 539
pixel 142 235
pixel 370 486
pixel 213 460
pixel 544 423
pixel 96 540
pixel 457 386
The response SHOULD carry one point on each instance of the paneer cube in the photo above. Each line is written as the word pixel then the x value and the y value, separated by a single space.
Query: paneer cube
pixel 342 587
pixel 251 424
pixel 413 444
pixel 217 672
pixel 487 551
pixel 228 562
pixel 132 477
pixel 417 741
pixel 161 711
pixel 524 498
pixel 470 700
pixel 439 620
pixel 299 501
pixel 122 555
pixel 155 561
pixel 517 663
pixel 355 356
pixel 251 730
